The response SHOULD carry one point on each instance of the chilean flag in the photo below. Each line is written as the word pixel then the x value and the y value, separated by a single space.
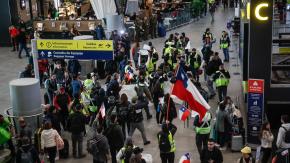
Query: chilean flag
pixel 185 158
pixel 183 113
pixel 129 76
pixel 185 90
pixel 102 110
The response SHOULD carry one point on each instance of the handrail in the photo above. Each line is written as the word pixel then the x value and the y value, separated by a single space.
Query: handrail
pixel 25 116
pixel 7 113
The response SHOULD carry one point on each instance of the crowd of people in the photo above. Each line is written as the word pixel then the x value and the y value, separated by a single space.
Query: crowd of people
pixel 109 118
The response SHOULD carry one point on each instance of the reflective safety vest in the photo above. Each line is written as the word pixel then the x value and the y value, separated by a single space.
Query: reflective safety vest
pixel 208 38
pixel 89 84
pixel 195 64
pixel 202 129
pixel 171 141
pixel 211 1
pixel 224 43
pixel 222 80
pixel 150 66
pixel 169 58
pixel 168 50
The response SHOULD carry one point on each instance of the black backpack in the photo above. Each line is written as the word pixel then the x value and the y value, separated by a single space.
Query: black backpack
pixel 287 135
pixel 92 145
pixel 26 156
pixel 123 113
pixel 164 143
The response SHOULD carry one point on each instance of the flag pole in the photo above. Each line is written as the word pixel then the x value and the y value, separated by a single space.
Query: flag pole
pixel 168 101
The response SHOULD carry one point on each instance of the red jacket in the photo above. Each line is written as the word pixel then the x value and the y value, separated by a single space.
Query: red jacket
pixel 13 32
pixel 42 65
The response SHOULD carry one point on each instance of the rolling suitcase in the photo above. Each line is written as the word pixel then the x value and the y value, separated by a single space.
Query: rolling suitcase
pixel 237 143
pixel 64 153
pixel 37 139
pixel 161 31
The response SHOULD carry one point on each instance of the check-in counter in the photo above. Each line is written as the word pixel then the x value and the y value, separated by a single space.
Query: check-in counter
pixel 59 29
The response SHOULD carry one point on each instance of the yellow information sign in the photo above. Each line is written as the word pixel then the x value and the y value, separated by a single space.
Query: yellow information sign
pixel 77 45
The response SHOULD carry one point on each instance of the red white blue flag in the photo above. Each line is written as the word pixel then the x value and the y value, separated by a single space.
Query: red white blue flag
pixel 185 158
pixel 183 113
pixel 185 90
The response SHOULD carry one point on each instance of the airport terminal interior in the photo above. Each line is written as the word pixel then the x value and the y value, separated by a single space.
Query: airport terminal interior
pixel 135 81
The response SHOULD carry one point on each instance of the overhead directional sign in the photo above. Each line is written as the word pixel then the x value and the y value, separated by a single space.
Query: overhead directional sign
pixel 75 49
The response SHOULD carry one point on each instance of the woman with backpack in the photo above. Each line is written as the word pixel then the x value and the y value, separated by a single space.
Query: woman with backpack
pixel 123 112
pixel 172 113
pixel 266 138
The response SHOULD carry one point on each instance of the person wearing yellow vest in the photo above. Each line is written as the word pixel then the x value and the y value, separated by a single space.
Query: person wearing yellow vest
pixel 89 83
pixel 194 63
pixel 225 43
pixel 150 64
pixel 222 80
pixel 125 153
pixel 207 38
pixel 166 144
pixel 202 129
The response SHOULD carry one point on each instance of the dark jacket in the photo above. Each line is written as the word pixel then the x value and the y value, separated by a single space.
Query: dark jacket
pixel 53 118
pixel 26 148
pixel 51 86
pixel 103 147
pixel 22 37
pixel 74 66
pixel 207 155
pixel 76 123
pixel 135 110
pixel 59 72
pixel 115 136
pixel 213 66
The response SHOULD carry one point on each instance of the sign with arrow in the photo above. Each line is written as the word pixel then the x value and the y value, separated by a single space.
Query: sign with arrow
pixel 75 49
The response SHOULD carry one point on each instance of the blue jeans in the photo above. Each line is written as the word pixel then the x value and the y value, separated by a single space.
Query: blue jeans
pixel 226 54
pixel 23 46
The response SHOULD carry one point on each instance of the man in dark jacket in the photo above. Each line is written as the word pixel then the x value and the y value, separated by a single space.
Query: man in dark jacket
pixel 28 150
pixel 136 118
pixel 76 125
pixel 166 144
pixel 115 137
pixel 222 80
pixel 25 130
pixel 74 67
pixel 51 88
pixel 22 43
pixel 113 87
pixel 211 154
pixel 211 68
pixel 61 102
pixel 101 149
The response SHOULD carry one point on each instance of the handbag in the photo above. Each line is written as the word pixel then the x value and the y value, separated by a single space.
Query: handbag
pixel 59 141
